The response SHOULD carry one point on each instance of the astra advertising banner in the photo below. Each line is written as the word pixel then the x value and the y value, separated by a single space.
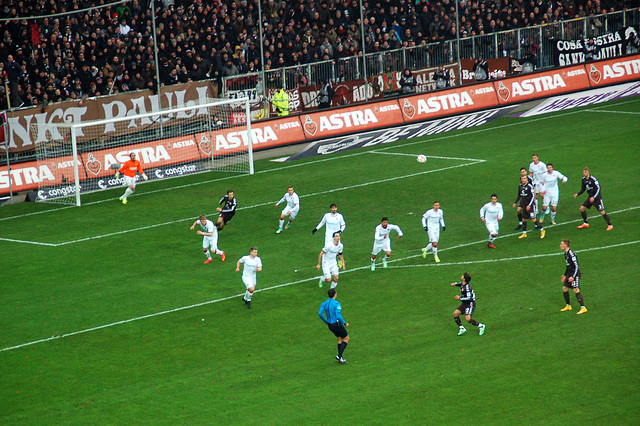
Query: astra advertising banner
pixel 614 71
pixel 532 86
pixel 447 102
pixel 351 119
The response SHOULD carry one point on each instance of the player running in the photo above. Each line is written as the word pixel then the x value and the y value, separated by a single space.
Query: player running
pixel 209 238
pixel 229 204
pixel 432 220
pixel 291 210
pixel 129 168
pixel 327 257
pixel 252 265
pixel 382 241
pixel 491 214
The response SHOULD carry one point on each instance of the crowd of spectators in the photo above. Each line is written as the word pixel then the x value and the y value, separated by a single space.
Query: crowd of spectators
pixel 111 49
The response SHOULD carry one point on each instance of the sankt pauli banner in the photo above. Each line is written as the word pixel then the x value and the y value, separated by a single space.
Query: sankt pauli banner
pixel 121 105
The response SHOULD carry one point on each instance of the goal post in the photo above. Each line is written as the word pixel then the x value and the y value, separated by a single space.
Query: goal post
pixel 79 158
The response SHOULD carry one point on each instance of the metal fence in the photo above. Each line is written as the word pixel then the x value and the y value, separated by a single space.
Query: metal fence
pixel 535 44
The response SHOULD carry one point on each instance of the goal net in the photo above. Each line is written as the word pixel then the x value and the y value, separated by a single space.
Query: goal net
pixel 78 158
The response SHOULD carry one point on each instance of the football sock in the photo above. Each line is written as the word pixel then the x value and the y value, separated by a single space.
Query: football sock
pixel 341 347
pixel 567 299
pixel 553 216
pixel 247 295
pixel 519 218
pixel 435 252
pixel 606 217
pixel 524 227
pixel 334 284
pixel 458 321
pixel 473 322
pixel 281 223
pixel 584 216
pixel 373 260
pixel 428 247
pixel 208 254
pixel 218 252
pixel 580 299
pixel 127 192
pixel 386 258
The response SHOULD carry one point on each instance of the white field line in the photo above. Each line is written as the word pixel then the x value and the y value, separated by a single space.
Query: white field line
pixel 37 243
pixel 508 259
pixel 344 188
pixel 209 302
pixel 614 112
pixel 428 156
pixel 421 140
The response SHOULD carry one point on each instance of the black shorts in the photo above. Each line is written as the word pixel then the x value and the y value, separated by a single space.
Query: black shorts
pixel 339 330
pixel 597 202
pixel 467 308
pixel 226 217
pixel 532 211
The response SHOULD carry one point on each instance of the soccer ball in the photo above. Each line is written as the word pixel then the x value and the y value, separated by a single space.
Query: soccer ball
pixel 422 159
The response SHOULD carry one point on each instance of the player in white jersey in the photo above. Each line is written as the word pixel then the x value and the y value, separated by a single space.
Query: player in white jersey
pixel 382 241
pixel 491 214
pixel 327 257
pixel 432 220
pixel 333 221
pixel 536 169
pixel 252 265
pixel 291 209
pixel 551 191
pixel 209 238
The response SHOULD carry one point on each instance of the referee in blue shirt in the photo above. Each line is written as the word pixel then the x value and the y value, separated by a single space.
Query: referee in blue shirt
pixel 330 313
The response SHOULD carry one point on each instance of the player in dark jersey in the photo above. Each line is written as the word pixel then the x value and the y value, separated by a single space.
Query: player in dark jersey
pixel 468 298
pixel 592 186
pixel 525 203
pixel 523 172
pixel 571 278
pixel 229 204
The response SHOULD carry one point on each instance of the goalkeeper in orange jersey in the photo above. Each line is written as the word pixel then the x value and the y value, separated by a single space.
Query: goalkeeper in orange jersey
pixel 129 170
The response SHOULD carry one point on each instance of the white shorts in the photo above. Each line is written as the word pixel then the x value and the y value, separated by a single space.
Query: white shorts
pixel 291 212
pixel 378 246
pixel 434 234
pixel 493 227
pixel 329 269
pixel 550 199
pixel 130 181
pixel 210 242
pixel 248 282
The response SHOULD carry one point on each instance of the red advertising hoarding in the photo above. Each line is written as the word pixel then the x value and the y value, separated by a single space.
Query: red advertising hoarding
pixel 447 102
pixel 532 86
pixel 614 71
pixel 353 119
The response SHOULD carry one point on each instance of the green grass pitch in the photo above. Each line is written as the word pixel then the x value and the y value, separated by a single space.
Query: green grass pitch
pixel 118 321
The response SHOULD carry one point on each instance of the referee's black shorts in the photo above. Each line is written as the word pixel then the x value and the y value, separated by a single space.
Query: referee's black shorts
pixel 339 330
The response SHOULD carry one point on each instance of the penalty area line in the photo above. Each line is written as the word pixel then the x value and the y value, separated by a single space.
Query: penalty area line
pixel 509 259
